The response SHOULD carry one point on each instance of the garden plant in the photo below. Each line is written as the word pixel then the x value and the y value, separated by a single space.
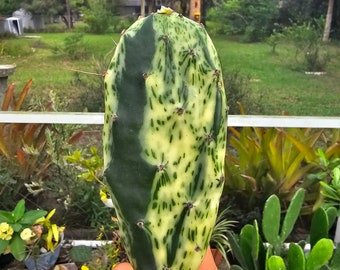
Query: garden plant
pixel 251 252
pixel 27 234
pixel 164 140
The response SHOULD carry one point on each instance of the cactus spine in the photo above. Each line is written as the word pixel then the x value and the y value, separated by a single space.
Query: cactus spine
pixel 164 140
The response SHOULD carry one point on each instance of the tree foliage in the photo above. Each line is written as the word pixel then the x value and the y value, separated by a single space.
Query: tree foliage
pixel 97 16
pixel 302 10
pixel 44 7
pixel 206 5
pixel 252 18
pixel 256 20
pixel 8 6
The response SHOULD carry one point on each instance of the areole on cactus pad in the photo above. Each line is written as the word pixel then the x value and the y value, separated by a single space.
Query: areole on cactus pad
pixel 164 140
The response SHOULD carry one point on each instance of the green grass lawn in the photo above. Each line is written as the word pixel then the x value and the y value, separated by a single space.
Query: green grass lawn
pixel 279 86
pixel 37 61
pixel 274 81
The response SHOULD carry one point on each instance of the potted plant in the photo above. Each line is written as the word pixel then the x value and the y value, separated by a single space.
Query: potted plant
pixel 208 263
pixel 30 236
pixel 164 140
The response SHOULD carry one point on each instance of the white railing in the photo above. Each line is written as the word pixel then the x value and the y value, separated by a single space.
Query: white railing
pixel 233 120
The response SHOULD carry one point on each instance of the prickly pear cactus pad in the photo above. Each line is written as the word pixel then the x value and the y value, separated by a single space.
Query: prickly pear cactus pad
pixel 164 140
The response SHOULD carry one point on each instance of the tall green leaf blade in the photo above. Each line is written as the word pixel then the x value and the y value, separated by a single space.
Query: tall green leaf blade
pixel 292 214
pixel 236 249
pixel 305 147
pixel 336 177
pixel 271 220
pixel 274 152
pixel 297 175
pixel 328 191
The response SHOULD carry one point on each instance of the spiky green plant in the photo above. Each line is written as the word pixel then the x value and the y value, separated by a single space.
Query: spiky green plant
pixel 164 140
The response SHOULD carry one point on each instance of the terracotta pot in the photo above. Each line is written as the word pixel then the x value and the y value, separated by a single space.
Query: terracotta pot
pixel 123 266
pixel 218 257
pixel 208 263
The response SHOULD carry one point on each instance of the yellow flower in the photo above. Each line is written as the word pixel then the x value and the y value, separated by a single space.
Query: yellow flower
pixel 40 220
pixel 27 234
pixel 84 267
pixel 6 231
pixel 103 195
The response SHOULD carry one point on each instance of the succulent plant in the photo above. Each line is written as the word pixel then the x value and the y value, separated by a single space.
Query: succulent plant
pixel 164 140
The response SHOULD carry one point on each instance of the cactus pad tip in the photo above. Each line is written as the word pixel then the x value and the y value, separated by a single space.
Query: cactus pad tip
pixel 165 10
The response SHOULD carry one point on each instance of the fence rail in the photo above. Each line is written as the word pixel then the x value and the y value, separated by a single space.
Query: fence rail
pixel 233 120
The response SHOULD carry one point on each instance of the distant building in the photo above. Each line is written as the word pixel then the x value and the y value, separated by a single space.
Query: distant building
pixel 30 21
pixel 11 25
pixel 132 7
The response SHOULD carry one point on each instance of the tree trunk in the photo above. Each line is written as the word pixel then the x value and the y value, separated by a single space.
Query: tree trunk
pixel 184 8
pixel 206 4
pixel 328 22
pixel 151 6
pixel 68 14
pixel 142 8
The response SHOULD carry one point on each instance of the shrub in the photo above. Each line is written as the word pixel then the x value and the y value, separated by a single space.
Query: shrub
pixel 91 85
pixel 87 166
pixel 238 91
pixel 120 23
pixel 83 206
pixel 81 27
pixel 310 50
pixel 274 39
pixel 97 16
pixel 73 48
pixel 55 28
